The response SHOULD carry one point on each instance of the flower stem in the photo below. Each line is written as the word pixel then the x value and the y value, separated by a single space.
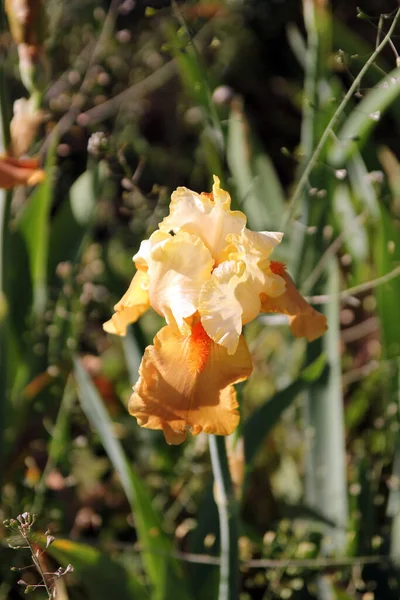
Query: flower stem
pixel 228 520
pixel 5 203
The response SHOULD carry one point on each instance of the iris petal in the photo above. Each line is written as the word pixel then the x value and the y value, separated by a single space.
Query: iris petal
pixel 178 267
pixel 227 301
pixel 131 306
pixel 219 309
pixel 19 171
pixel 185 384
pixel 254 248
pixel 304 320
pixel 142 257
pixel 207 216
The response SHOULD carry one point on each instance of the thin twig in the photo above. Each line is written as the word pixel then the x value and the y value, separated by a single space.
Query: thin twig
pixel 359 373
pixel 36 560
pixel 65 407
pixel 357 289
pixel 378 35
pixel 327 255
pixel 356 332
pixel 62 83
pixel 138 90
pixel 337 114
pixel 135 92
pixel 317 563
pixel 306 563
pixel 68 119
pixel 211 106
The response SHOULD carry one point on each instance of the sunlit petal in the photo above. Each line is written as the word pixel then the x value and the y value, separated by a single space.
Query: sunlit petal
pixel 227 301
pixel 253 248
pixel 304 320
pixel 207 216
pixel 178 267
pixel 260 243
pixel 185 385
pixel 131 306
pixel 142 257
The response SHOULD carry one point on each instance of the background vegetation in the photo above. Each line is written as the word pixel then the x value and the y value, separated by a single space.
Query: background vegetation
pixel 140 97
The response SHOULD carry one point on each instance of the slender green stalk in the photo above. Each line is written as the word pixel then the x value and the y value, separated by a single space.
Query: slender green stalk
pixel 310 83
pixel 55 445
pixel 212 111
pixel 308 125
pixel 4 218
pixel 3 348
pixel 336 116
pixel 228 520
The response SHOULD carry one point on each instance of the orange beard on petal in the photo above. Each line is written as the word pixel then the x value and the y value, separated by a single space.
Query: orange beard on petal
pixel 208 195
pixel 185 384
pixel 199 348
pixel 279 268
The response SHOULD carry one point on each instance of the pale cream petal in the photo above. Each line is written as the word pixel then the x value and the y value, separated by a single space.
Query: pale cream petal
pixel 131 306
pixel 207 216
pixel 249 298
pixel 227 301
pixel 256 242
pixel 304 320
pixel 254 249
pixel 274 284
pixel 178 267
pixel 220 311
pixel 142 256
pixel 185 384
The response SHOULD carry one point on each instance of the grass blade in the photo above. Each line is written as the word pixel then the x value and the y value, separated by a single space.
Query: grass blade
pixel 354 233
pixel 387 258
pixel 362 186
pixel 326 486
pixel 363 119
pixel 264 418
pixel 258 187
pixel 162 570
pixel 72 222
pixel 34 225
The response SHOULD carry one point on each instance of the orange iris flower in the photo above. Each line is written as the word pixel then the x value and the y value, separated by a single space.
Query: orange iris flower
pixel 19 171
pixel 207 275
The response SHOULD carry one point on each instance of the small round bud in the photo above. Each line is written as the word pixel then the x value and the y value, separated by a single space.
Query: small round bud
pixel 223 94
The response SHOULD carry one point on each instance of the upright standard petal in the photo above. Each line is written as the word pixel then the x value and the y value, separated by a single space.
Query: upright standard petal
pixel 131 306
pixel 207 216
pixel 178 267
pixel 254 248
pixel 185 384
pixel 143 255
pixel 227 301
pixel 304 320
pixel 19 171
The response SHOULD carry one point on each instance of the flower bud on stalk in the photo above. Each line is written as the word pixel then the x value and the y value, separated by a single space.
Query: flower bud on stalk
pixel 24 125
pixel 28 26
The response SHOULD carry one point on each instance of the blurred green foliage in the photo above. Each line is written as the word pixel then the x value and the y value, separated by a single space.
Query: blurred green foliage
pixel 143 97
